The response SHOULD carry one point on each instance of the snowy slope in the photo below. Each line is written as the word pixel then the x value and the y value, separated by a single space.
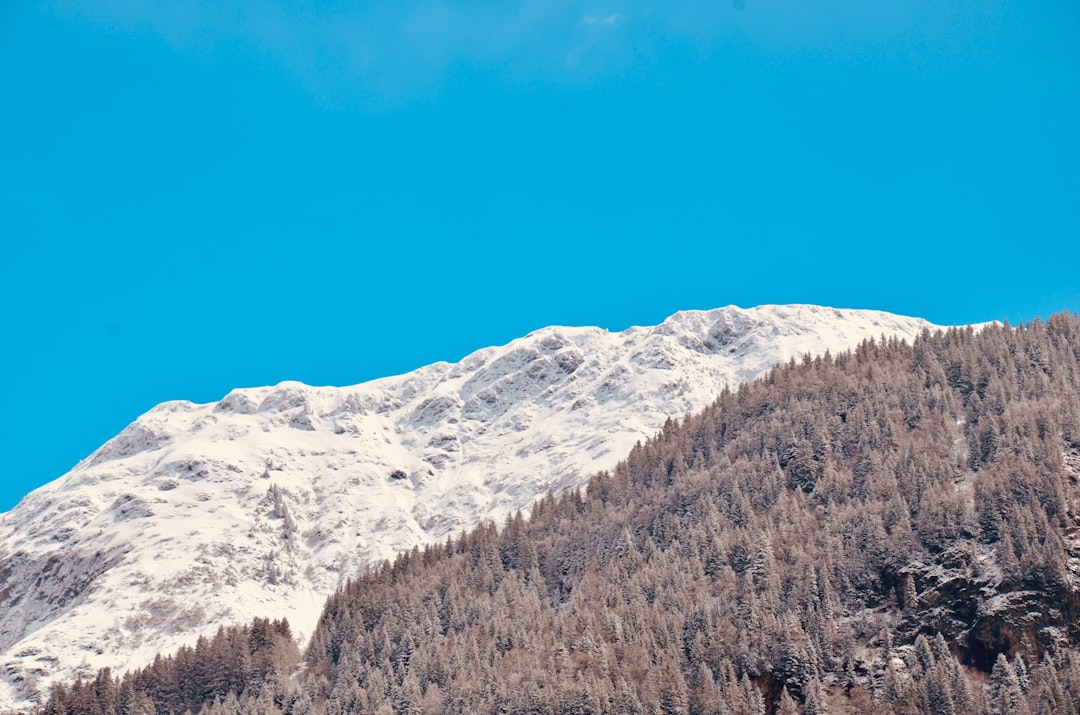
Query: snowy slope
pixel 263 503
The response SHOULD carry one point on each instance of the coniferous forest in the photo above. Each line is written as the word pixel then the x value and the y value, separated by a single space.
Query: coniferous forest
pixel 890 530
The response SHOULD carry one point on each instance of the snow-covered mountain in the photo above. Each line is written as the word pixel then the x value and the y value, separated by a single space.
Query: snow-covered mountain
pixel 263 503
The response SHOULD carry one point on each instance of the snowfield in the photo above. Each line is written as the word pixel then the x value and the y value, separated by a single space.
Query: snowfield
pixel 263 503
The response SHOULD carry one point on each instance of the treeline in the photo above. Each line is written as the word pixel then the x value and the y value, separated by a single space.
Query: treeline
pixel 251 663
pixel 887 530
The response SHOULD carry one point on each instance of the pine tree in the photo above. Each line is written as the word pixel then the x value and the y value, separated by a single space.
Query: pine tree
pixel 786 704
pixel 1006 695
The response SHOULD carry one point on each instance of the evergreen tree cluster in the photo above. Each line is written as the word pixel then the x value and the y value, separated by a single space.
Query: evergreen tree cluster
pixel 887 530
pixel 250 663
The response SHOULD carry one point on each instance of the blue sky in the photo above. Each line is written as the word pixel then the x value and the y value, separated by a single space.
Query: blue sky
pixel 195 198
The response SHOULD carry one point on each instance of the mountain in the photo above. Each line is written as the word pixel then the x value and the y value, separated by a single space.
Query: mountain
pixel 264 503
pixel 893 530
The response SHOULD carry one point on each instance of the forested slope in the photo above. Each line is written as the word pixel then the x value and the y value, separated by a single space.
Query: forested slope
pixel 171 524
pixel 891 530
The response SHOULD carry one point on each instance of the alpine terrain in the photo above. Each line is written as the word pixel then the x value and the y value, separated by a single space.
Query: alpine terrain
pixel 263 504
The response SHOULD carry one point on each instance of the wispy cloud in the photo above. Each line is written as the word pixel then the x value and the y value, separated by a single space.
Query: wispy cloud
pixel 382 49
pixel 393 50
pixel 606 20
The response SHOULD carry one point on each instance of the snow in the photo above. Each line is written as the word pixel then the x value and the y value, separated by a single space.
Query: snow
pixel 169 529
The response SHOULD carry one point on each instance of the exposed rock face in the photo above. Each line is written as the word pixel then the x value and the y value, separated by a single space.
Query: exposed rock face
pixel 969 600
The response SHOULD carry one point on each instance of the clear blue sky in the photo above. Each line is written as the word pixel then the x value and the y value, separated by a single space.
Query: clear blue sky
pixel 194 198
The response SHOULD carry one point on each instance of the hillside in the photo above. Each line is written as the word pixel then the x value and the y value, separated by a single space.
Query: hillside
pixel 891 530
pixel 262 504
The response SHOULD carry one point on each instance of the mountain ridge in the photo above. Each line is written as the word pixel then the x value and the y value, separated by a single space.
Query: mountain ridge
pixel 264 502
